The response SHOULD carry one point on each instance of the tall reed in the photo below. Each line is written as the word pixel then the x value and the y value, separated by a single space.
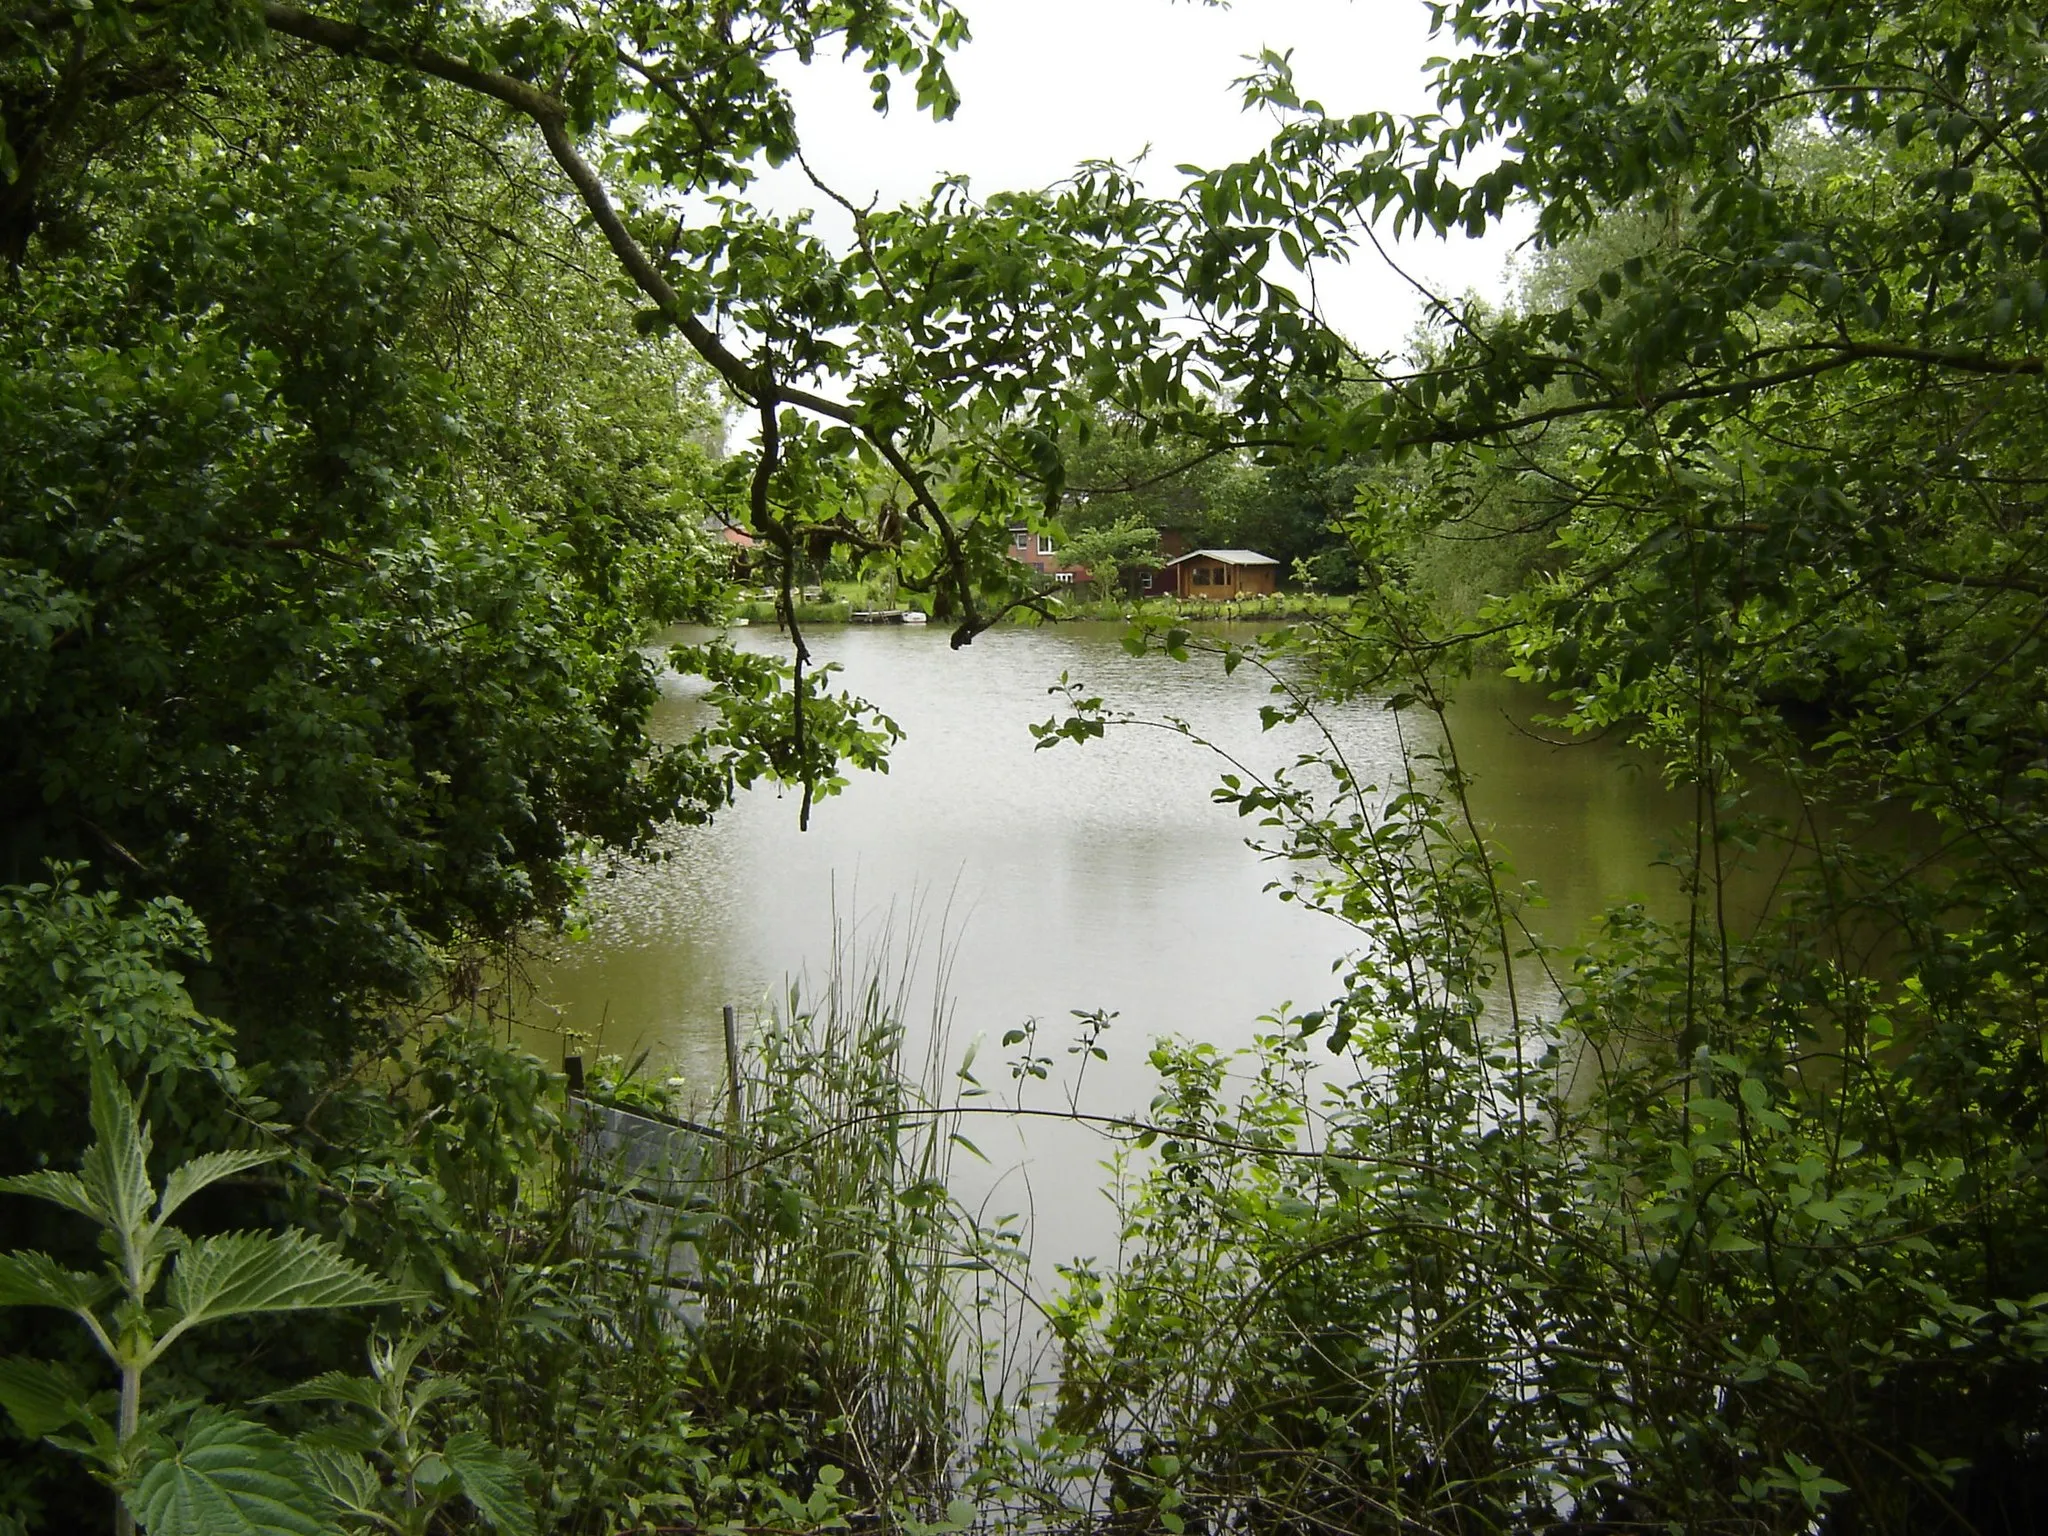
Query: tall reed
pixel 836 1249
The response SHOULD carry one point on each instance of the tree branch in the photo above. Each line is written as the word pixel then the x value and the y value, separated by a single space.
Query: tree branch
pixel 552 118
pixel 1838 357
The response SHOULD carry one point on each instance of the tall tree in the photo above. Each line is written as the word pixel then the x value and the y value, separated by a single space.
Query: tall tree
pixel 340 497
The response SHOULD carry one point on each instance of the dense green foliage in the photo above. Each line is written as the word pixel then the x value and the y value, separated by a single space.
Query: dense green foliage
pixel 225 1471
pixel 335 514
pixel 1122 472
pixel 1742 1236
pixel 1741 1231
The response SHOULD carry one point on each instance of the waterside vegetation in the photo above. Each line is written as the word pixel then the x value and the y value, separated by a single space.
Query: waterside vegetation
pixel 1073 605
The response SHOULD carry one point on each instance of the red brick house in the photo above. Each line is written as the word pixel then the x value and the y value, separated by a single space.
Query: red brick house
pixel 1221 574
pixel 738 545
pixel 1218 574
pixel 1036 551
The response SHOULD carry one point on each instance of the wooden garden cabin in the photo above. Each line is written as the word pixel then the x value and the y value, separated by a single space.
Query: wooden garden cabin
pixel 1222 574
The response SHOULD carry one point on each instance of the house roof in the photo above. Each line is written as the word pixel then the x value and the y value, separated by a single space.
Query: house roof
pixel 1227 556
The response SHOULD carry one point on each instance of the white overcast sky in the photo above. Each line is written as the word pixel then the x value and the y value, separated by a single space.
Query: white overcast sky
pixel 1046 84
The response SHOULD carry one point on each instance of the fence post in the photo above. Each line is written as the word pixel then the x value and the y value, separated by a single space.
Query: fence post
pixel 729 1149
pixel 732 1068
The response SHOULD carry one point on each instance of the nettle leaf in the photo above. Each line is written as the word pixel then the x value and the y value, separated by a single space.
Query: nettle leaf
pixel 433 1390
pixel 41 1398
pixel 37 1280
pixel 65 1189
pixel 244 1272
pixel 333 1387
pixel 345 1477
pixel 208 1168
pixel 230 1477
pixel 115 1170
pixel 493 1480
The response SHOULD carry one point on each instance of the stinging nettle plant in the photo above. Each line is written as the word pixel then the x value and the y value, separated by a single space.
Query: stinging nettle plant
pixel 223 1472
pixel 389 1429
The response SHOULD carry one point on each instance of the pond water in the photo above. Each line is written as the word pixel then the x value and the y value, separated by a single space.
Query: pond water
pixel 1032 883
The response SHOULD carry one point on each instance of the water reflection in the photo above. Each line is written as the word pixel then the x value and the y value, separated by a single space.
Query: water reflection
pixel 1100 876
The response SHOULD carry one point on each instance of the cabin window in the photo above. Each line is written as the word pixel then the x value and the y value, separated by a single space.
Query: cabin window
pixel 1148 581
pixel 1066 576
pixel 1045 543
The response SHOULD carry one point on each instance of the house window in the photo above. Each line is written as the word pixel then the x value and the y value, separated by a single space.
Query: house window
pixel 1066 576
pixel 1045 543
pixel 1020 538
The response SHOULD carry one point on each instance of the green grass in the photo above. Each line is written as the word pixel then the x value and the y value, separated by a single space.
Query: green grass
pixel 1281 605
pixel 763 611
pixel 844 599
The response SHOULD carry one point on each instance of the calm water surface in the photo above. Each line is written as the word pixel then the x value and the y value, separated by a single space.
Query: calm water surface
pixel 1081 877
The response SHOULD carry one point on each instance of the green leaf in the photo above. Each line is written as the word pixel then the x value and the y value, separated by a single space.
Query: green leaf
pixel 492 1480
pixel 115 1170
pixel 345 1477
pixel 40 1398
pixel 332 1387
pixel 433 1389
pixel 246 1272
pixel 37 1280
pixel 208 1168
pixel 65 1189
pixel 230 1477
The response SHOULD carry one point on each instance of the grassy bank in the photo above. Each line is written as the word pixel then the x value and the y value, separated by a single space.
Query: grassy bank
pixel 1281 605
pixel 831 611
pixel 839 606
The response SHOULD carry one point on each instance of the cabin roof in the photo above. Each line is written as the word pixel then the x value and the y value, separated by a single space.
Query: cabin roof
pixel 1227 556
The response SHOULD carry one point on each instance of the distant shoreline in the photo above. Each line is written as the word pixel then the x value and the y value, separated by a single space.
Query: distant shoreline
pixel 1283 605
